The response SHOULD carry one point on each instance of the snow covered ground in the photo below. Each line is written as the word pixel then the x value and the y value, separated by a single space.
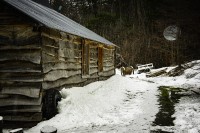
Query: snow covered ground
pixel 124 104
pixel 106 106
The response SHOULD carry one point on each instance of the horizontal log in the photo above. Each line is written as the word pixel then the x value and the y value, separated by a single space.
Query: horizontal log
pixel 93 50
pixel 31 46
pixel 19 66
pixel 20 109
pixel 50 46
pixel 63 53
pixel 108 68
pixel 20 71
pixel 93 66
pixel 60 65
pixel 58 74
pixel 31 80
pixel 46 41
pixel 108 58
pixel 107 73
pixel 66 53
pixel 26 32
pixel 93 70
pixel 105 61
pixel 94 76
pixel 64 35
pixel 90 80
pixel 49 32
pixel 47 58
pixel 64 81
pixel 20 31
pixel 23 55
pixel 104 78
pixel 65 44
pixel 3 96
pixel 6 83
pixel 92 60
pixel 25 91
pixel 51 51
pixel 22 75
pixel 24 117
pixel 58 37
pixel 20 41
pixel 55 38
pixel 20 100
pixel 77 41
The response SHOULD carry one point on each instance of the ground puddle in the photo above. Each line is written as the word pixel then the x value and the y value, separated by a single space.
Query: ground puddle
pixel 167 99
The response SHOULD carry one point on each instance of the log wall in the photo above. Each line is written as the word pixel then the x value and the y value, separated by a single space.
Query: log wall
pixel 20 72
pixel 62 60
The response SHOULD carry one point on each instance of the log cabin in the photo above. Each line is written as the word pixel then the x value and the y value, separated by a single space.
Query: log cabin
pixel 42 51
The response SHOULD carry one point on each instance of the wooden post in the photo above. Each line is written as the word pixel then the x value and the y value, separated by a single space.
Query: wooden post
pixel 18 130
pixel 48 129
pixel 1 124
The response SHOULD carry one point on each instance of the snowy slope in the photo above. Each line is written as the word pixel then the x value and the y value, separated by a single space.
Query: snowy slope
pixel 114 102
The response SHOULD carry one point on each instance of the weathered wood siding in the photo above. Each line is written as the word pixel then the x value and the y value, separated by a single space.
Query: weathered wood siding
pixel 20 69
pixel 61 59
pixel 108 62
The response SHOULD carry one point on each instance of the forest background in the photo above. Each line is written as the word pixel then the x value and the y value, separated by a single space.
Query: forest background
pixel 137 26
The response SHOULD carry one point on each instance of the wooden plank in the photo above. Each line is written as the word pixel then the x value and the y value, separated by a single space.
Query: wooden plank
pixel 60 65
pixel 57 74
pixel 20 100
pixel 25 91
pixel 20 109
pixel 64 81
pixel 24 55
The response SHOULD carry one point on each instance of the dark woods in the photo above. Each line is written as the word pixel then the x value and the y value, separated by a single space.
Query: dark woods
pixel 137 27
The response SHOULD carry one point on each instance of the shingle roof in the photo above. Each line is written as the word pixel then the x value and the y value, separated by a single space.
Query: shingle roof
pixel 55 20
